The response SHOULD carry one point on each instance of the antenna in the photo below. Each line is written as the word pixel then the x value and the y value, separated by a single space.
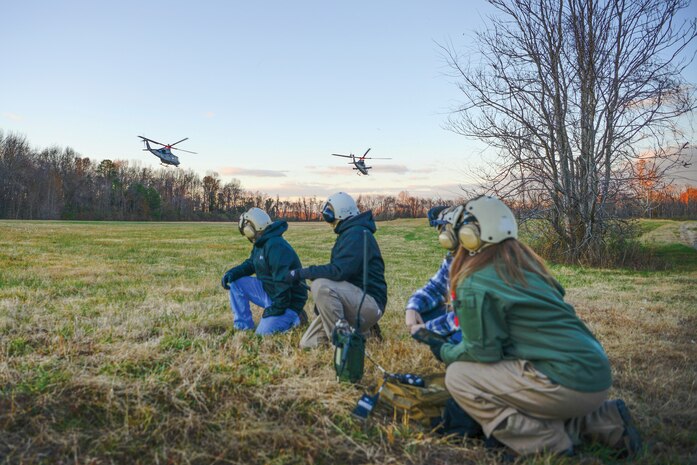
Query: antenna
pixel 365 279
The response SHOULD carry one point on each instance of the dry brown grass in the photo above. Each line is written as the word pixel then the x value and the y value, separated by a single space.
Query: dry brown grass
pixel 116 347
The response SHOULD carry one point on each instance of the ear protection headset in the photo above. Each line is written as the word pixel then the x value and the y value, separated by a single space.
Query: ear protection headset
pixel 484 221
pixel 247 228
pixel 458 228
pixel 328 212
pixel 469 234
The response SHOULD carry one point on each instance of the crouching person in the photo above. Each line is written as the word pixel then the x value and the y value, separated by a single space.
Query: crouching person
pixel 271 259
pixel 527 369
pixel 428 307
pixel 337 287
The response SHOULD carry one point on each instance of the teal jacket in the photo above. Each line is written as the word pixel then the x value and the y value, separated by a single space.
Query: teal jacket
pixel 271 259
pixel 508 322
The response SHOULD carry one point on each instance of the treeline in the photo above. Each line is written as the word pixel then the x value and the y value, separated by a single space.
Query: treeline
pixel 57 183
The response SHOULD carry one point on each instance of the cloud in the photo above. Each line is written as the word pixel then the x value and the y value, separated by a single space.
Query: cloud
pixel 375 168
pixel 329 170
pixel 293 190
pixel 675 166
pixel 12 116
pixel 399 169
pixel 424 169
pixel 235 171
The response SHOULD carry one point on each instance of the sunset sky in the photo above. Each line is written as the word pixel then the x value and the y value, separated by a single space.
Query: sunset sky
pixel 265 91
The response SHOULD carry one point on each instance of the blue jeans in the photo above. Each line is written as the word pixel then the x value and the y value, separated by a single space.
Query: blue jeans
pixel 249 289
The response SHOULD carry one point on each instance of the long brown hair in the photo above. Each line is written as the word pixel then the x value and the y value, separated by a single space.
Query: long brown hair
pixel 511 258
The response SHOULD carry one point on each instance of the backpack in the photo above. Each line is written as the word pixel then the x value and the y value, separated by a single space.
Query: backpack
pixel 431 406
pixel 420 404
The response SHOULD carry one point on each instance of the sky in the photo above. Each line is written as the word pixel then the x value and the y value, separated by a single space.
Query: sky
pixel 265 91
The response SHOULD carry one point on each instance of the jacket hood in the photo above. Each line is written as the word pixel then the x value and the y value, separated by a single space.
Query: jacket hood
pixel 364 220
pixel 275 229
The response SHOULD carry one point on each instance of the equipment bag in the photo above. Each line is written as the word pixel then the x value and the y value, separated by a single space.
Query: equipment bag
pixel 421 404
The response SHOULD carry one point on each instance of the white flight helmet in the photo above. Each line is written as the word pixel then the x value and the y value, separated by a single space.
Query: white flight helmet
pixel 253 222
pixel 338 207
pixel 480 223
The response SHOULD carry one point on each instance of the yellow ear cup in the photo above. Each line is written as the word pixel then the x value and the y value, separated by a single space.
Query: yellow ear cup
pixel 469 237
pixel 447 237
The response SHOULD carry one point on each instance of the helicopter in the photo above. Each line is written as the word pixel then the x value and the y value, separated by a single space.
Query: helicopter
pixel 165 153
pixel 359 162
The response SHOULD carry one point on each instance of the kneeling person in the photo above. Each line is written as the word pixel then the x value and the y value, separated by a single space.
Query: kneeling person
pixel 337 286
pixel 271 259
pixel 528 370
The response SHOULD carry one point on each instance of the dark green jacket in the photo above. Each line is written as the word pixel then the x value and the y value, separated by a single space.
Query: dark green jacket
pixel 271 259
pixel 346 263
pixel 503 322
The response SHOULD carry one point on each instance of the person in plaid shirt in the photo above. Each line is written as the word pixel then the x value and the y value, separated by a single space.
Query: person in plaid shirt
pixel 428 306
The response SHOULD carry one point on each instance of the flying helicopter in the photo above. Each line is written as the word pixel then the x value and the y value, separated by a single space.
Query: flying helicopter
pixel 165 153
pixel 359 162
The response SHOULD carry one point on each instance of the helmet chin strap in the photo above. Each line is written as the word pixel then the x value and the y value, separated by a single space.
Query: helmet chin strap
pixel 484 246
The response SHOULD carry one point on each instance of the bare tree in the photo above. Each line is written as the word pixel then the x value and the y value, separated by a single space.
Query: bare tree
pixel 572 93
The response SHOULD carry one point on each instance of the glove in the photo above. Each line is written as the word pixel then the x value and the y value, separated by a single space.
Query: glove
pixel 293 276
pixel 272 311
pixel 227 279
pixel 410 379
pixel 435 350
pixel 434 341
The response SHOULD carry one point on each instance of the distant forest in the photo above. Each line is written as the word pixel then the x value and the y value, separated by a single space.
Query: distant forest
pixel 57 183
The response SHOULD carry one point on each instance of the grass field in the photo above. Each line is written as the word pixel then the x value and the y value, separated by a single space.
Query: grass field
pixel 116 347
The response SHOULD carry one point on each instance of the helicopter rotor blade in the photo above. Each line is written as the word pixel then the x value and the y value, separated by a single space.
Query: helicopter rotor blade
pixel 172 145
pixel 182 150
pixel 376 158
pixel 153 141
pixel 366 153
pixel 339 155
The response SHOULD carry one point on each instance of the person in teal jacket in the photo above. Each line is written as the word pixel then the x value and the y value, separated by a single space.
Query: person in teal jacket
pixel 528 370
pixel 271 259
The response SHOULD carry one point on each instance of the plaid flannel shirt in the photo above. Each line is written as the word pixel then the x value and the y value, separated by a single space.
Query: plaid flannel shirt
pixel 434 293
pixel 444 325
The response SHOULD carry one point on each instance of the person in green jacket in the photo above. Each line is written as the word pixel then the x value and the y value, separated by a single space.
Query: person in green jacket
pixel 271 259
pixel 528 370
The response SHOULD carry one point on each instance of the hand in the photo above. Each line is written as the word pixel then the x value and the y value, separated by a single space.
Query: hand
pixel 434 341
pixel 227 279
pixel 415 328
pixel 292 277
pixel 412 317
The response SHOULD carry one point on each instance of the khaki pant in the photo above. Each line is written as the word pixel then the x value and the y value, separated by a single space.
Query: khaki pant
pixel 336 300
pixel 524 410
